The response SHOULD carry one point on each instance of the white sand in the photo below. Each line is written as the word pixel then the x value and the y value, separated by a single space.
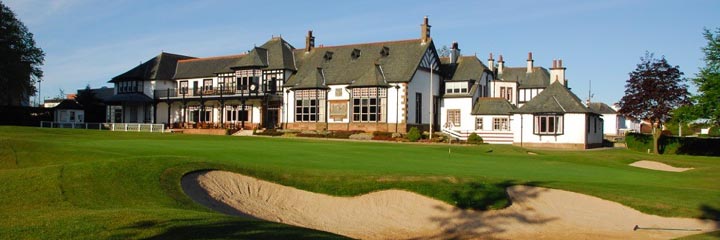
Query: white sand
pixel 536 213
pixel 653 165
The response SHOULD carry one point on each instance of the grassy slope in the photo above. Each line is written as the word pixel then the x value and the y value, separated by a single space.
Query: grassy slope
pixel 89 184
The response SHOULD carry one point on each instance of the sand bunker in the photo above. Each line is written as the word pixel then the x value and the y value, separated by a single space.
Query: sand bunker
pixel 658 166
pixel 536 213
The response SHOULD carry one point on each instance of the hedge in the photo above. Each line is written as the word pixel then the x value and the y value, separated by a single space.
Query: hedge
pixel 674 145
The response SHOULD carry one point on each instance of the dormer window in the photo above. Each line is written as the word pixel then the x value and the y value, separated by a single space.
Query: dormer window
pixel 355 54
pixel 385 51
pixel 328 56
pixel 456 87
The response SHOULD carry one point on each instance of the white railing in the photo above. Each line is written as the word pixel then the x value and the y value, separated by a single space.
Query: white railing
pixel 125 127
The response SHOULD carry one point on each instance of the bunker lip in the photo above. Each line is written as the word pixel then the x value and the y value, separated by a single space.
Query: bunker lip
pixel 536 212
pixel 653 165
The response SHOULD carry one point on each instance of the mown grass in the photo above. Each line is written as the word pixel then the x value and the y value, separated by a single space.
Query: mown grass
pixel 88 184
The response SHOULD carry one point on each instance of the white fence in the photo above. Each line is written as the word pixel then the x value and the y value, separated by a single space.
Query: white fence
pixel 125 127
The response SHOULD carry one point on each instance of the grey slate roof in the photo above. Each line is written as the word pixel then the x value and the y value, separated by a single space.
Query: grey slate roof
pixel 205 67
pixel 538 78
pixel 601 108
pixel 373 77
pixel 160 67
pixel 69 104
pixel 398 66
pixel 467 68
pixel 492 106
pixel 554 99
pixel 274 54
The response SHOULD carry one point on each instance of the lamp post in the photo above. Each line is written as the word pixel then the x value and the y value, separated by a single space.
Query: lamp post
pixel 397 106
pixel 432 101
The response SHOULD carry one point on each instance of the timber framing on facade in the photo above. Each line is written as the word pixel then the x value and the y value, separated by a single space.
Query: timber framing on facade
pixel 387 86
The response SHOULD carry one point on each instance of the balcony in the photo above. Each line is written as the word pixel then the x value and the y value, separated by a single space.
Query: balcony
pixel 211 93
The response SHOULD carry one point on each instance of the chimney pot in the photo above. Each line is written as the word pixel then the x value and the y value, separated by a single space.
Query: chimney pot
pixel 529 56
pixel 560 63
pixel 491 57
pixel 501 58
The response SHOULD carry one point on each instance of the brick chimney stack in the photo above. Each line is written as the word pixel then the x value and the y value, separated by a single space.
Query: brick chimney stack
pixel 557 72
pixel 491 63
pixel 309 41
pixel 530 63
pixel 425 31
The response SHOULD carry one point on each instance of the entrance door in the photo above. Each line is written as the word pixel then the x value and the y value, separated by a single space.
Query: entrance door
pixel 270 121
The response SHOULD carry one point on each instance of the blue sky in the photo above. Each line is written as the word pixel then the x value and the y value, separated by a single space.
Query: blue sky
pixel 89 42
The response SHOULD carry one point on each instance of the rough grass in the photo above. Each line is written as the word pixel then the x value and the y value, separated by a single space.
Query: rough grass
pixel 60 183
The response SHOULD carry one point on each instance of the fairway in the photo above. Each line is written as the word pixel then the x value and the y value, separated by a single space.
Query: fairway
pixel 60 183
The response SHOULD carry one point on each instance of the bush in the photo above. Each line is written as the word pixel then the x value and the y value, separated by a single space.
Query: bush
pixel 343 134
pixel 674 145
pixel 414 134
pixel 268 132
pixel 382 134
pixel 474 139
pixel 361 136
pixel 714 131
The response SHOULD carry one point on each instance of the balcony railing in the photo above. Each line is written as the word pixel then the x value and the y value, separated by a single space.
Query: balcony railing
pixel 200 92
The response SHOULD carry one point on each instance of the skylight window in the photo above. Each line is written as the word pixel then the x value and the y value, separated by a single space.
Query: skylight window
pixel 385 51
pixel 355 54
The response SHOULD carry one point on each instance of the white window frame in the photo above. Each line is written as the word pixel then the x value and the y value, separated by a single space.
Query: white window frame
pixel 548 124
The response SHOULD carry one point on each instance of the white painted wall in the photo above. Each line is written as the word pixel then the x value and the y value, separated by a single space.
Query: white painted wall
pixel 421 83
pixel 467 121
pixel 64 116
pixel 573 130
pixel 595 129
pixel 610 125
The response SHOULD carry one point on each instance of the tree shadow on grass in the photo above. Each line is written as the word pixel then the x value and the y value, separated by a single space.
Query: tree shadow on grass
pixel 233 229
pixel 487 224
pixel 711 213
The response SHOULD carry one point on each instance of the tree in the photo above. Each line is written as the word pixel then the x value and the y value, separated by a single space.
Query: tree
pixel 708 81
pixel 653 90
pixel 444 51
pixel 93 106
pixel 20 60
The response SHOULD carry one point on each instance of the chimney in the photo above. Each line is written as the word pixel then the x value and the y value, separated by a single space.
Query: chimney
pixel 491 63
pixel 425 31
pixel 530 63
pixel 501 65
pixel 557 72
pixel 454 53
pixel 309 41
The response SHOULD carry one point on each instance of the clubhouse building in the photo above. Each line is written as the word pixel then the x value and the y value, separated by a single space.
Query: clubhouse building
pixel 383 86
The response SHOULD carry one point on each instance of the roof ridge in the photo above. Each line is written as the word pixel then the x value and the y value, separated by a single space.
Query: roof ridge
pixel 369 43
pixel 212 58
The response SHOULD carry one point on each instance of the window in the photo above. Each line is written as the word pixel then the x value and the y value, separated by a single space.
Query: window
pixel 248 78
pixel 355 54
pixel 501 124
pixel 368 104
pixel 548 125
pixel 478 123
pixel 456 87
pixel 509 94
pixel 130 86
pixel 453 116
pixel 502 92
pixel 418 107
pixel 183 87
pixel 236 113
pixel 207 85
pixel 307 105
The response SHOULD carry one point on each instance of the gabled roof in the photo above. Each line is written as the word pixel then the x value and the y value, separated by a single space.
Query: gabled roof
pixel 160 67
pixel 467 68
pixel 340 67
pixel 601 108
pixel 554 99
pixel 492 106
pixel 274 54
pixel 69 104
pixel 205 67
pixel 538 78
pixel 315 80
pixel 373 77
pixel 258 57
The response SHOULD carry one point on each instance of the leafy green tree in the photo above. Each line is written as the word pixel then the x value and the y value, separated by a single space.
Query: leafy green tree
pixel 93 106
pixel 20 60
pixel 653 90
pixel 708 80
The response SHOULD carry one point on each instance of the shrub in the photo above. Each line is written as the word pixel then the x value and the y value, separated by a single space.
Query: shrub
pixel 414 134
pixel 714 131
pixel 268 132
pixel 361 136
pixel 674 145
pixel 383 138
pixel 474 139
pixel 343 134
pixel 381 133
